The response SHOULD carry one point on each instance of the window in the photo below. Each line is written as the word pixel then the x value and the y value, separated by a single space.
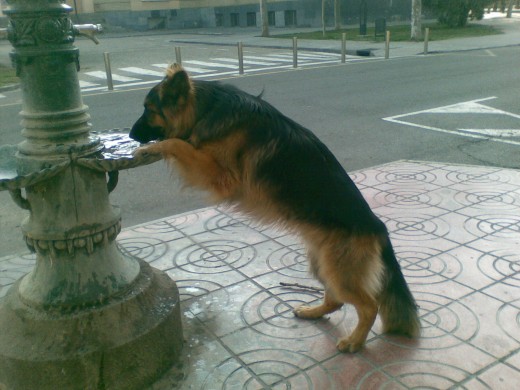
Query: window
pixel 251 18
pixel 290 18
pixel 271 18
pixel 219 20
pixel 235 20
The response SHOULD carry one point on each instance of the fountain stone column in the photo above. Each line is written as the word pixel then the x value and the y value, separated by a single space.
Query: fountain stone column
pixel 88 315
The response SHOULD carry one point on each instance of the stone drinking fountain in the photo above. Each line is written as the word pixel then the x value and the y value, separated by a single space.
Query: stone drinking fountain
pixel 88 316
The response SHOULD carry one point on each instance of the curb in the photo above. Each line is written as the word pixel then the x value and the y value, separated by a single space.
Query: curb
pixel 9 87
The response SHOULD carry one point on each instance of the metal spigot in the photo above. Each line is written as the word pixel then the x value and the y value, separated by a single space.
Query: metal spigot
pixel 89 31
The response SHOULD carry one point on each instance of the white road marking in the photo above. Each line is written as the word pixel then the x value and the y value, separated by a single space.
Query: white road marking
pixel 505 133
pixel 87 84
pixel 116 77
pixel 147 72
pixel 210 64
pixel 469 107
pixel 190 69
pixel 215 67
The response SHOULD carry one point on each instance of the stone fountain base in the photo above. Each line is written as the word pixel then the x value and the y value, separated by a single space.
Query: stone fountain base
pixel 124 343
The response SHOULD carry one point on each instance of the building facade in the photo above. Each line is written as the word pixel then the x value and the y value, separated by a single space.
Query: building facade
pixel 181 14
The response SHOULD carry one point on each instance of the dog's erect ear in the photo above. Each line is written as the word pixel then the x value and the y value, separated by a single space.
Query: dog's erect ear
pixel 177 87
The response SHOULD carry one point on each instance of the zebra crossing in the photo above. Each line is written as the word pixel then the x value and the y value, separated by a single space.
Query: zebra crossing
pixel 134 76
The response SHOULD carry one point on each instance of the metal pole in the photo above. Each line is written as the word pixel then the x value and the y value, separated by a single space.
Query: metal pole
pixel 343 47
pixel 387 45
pixel 178 58
pixel 240 59
pixel 295 51
pixel 426 38
pixel 108 70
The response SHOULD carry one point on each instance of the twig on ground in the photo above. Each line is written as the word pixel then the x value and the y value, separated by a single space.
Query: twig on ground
pixel 300 287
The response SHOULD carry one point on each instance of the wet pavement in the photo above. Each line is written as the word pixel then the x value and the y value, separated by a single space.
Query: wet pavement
pixel 456 232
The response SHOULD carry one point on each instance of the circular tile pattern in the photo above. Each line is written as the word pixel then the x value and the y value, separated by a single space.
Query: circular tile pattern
pixel 414 375
pixel 508 318
pixel 411 198
pixel 225 222
pixel 487 200
pixel 146 248
pixel 185 220
pixel 276 368
pixel 212 257
pixel 154 228
pixel 414 227
pixel 423 265
pixel 270 312
pixel 290 261
pixel 494 226
pixel 358 177
pixel 501 265
pixel 404 176
pixel 476 177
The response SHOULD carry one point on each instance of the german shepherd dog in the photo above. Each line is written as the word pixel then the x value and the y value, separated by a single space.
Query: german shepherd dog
pixel 248 154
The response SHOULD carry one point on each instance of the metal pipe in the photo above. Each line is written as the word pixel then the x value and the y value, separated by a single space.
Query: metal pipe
pixel 295 51
pixel 178 58
pixel 343 47
pixel 240 59
pixel 426 38
pixel 387 45
pixel 108 70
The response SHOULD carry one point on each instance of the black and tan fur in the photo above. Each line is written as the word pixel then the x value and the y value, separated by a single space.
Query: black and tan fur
pixel 245 152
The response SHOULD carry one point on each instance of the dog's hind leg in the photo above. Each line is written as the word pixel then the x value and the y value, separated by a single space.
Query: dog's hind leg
pixel 329 305
pixel 366 309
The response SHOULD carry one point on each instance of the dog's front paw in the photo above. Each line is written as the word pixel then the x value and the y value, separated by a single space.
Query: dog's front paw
pixel 145 151
pixel 308 312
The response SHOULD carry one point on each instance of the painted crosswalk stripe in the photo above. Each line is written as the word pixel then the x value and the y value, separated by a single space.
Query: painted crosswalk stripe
pixel 226 60
pixel 116 77
pixel 280 57
pixel 325 56
pixel 190 69
pixel 211 64
pixel 143 71
pixel 87 84
pixel 247 61
pixel 258 61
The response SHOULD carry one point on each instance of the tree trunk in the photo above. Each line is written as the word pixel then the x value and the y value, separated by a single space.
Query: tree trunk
pixel 264 18
pixel 323 16
pixel 337 14
pixel 416 28
pixel 510 9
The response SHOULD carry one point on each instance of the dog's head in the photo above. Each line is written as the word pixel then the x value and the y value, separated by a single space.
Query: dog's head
pixel 169 109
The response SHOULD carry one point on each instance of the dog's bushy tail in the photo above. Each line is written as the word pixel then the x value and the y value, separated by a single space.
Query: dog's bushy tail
pixel 397 309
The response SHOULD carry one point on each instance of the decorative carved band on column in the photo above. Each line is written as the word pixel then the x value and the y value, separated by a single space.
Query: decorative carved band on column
pixel 35 30
pixel 87 240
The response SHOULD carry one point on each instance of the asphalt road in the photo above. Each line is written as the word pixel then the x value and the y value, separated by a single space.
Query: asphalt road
pixel 433 98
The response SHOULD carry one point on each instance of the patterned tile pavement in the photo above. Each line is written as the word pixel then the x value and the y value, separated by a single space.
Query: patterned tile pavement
pixel 456 231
